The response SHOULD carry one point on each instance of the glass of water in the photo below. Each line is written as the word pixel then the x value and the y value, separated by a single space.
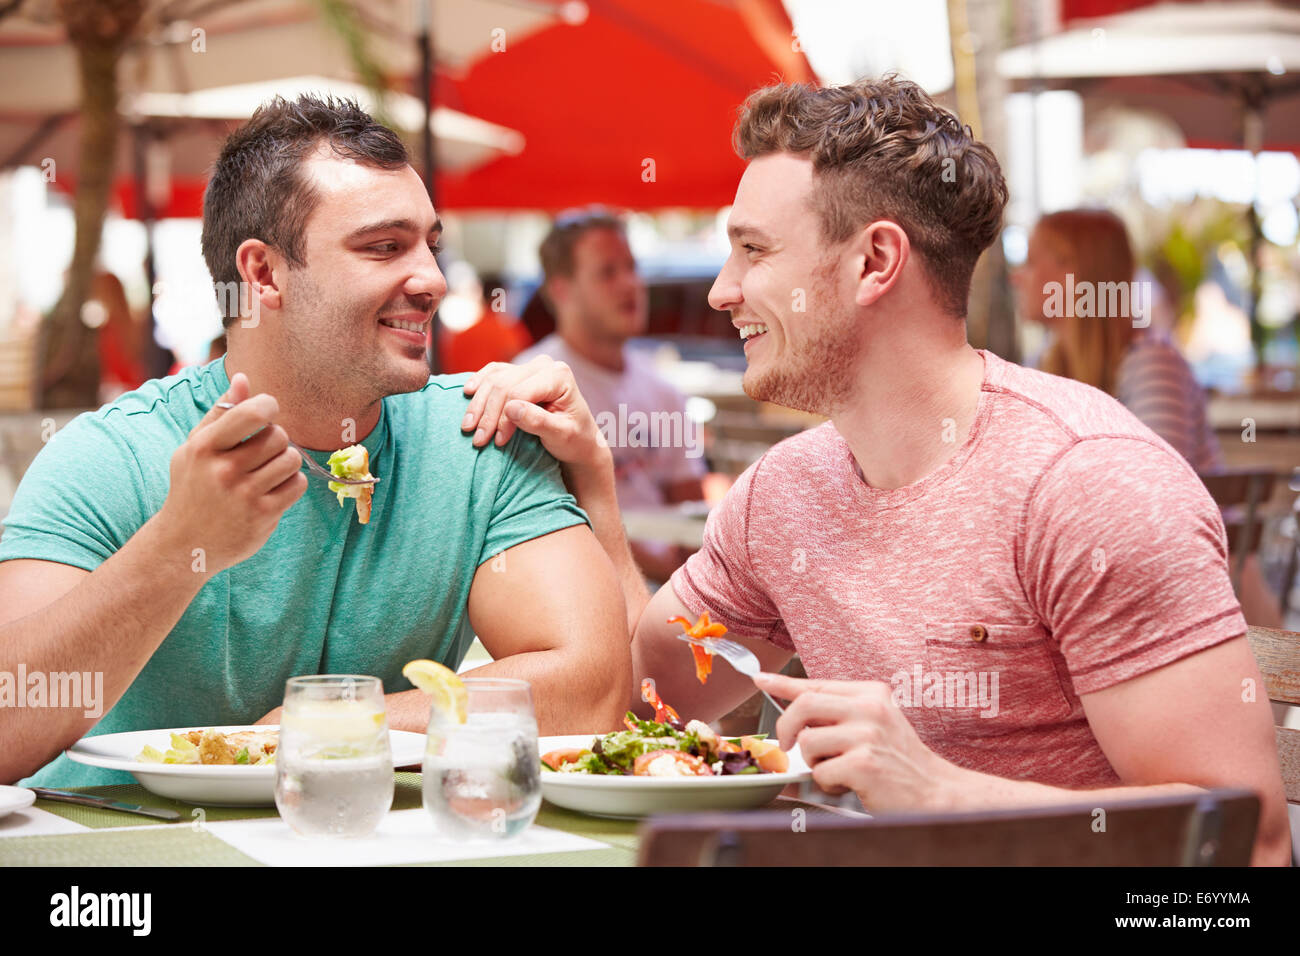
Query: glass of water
pixel 482 778
pixel 334 764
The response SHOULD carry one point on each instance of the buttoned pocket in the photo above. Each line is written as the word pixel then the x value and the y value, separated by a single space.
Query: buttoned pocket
pixel 988 678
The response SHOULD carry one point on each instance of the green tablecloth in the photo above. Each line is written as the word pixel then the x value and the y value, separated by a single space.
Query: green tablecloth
pixel 140 841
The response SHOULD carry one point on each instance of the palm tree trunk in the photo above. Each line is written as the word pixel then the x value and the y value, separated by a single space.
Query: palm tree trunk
pixel 100 30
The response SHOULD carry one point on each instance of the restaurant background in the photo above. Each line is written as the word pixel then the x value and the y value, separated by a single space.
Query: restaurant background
pixel 518 110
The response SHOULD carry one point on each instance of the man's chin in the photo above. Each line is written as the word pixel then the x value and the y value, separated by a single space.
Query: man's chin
pixel 406 377
pixel 778 389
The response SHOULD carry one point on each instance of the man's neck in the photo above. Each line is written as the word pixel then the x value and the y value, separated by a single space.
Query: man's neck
pixel 911 412
pixel 606 353
pixel 312 417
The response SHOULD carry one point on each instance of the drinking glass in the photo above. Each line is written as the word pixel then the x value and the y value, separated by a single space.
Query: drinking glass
pixel 482 778
pixel 334 764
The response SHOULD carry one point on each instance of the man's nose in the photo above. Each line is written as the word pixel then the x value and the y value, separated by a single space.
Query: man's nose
pixel 725 293
pixel 428 280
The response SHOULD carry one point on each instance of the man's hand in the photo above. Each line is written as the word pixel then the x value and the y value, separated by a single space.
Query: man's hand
pixel 540 397
pixel 854 737
pixel 228 490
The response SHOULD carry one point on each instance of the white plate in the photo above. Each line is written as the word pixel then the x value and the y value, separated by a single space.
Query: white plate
pixel 206 784
pixel 632 797
pixel 15 798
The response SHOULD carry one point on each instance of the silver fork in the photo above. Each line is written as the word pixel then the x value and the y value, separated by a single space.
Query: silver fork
pixel 737 655
pixel 316 469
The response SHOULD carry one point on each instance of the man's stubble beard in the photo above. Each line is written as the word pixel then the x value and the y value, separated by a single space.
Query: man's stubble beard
pixel 329 361
pixel 820 375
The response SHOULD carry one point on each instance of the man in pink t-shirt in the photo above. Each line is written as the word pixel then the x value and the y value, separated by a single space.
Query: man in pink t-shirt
pixel 1004 587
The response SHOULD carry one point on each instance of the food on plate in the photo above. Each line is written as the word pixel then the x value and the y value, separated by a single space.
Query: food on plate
pixel 353 463
pixel 701 629
pixel 666 747
pixel 253 748
pixel 446 690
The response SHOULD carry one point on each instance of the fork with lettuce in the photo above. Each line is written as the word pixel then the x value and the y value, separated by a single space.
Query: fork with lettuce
pixel 353 463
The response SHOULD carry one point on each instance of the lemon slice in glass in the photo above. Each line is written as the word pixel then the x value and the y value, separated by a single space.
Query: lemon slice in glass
pixel 442 685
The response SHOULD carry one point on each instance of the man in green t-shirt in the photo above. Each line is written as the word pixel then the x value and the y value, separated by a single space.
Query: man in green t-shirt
pixel 177 553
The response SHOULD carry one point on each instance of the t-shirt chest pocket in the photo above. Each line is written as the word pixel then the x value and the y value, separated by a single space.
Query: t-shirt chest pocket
pixel 989 678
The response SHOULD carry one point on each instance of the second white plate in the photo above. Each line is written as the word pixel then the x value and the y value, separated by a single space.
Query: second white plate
pixel 634 797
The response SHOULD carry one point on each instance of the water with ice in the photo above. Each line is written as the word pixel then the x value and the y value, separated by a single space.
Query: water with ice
pixel 482 778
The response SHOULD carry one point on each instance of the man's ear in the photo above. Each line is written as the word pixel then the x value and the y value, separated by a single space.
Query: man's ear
pixel 259 265
pixel 882 249
pixel 557 291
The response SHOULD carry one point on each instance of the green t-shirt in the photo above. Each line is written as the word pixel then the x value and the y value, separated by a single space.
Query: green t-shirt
pixel 325 594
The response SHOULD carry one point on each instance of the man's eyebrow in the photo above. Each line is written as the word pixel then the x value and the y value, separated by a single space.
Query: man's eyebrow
pixel 745 230
pixel 392 225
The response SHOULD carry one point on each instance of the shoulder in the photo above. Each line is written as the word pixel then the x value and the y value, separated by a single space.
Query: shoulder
pixel 1073 409
pixel 427 422
pixel 168 406
pixel 817 451
pixel 442 397
pixel 146 423
pixel 1127 480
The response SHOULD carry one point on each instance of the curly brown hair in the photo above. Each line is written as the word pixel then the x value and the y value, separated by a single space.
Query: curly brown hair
pixel 883 149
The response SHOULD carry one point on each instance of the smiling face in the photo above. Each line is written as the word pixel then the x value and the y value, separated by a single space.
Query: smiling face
pixel 790 293
pixel 605 297
pixel 355 317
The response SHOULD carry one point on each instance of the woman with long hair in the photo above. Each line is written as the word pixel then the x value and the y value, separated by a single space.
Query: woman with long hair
pixel 1088 251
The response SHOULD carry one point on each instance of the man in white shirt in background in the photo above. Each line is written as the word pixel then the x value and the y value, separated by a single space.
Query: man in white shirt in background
pixel 591 283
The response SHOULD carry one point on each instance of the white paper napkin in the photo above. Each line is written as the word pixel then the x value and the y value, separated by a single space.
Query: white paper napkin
pixel 34 822
pixel 404 836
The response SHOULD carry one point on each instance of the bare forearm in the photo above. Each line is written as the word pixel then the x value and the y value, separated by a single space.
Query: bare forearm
pixel 593 486
pixel 569 697
pixel 971 790
pixel 107 626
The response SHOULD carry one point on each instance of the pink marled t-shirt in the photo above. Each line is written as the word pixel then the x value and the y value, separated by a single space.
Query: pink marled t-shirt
pixel 1063 549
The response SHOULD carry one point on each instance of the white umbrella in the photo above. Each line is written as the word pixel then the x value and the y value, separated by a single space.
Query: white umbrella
pixel 1205 65
pixel 1227 73
pixel 270 46
pixel 250 41
pixel 463 141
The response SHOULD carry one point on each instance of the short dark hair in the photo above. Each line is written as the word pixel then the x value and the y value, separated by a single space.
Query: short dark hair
pixel 258 190
pixel 556 251
pixel 883 149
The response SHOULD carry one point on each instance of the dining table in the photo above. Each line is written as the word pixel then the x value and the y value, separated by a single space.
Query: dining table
pixel 61 834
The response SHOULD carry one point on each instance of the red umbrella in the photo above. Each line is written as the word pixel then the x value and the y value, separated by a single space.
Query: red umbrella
pixel 631 108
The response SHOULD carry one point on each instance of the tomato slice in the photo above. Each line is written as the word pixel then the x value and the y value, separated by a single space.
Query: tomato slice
pixel 556 759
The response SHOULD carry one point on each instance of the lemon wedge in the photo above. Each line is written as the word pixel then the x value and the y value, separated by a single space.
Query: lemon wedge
pixel 441 684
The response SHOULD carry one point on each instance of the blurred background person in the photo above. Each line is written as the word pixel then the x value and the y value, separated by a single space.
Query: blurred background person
pixel 591 283
pixel 1139 366
pixel 120 335
pixel 474 328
